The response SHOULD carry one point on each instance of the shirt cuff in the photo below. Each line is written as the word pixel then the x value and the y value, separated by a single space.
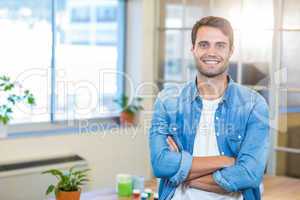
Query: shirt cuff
pixel 222 182
pixel 184 169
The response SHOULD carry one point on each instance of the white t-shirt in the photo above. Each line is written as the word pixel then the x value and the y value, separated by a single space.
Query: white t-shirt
pixel 205 145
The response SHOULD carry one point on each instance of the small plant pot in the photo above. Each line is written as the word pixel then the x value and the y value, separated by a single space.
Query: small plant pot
pixel 127 118
pixel 61 195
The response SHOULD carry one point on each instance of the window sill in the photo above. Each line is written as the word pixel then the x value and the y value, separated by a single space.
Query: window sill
pixel 63 127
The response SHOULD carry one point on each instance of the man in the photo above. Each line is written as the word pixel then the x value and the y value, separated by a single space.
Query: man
pixel 209 139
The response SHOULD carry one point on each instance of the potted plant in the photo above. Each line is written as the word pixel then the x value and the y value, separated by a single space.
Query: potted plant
pixel 69 184
pixel 129 109
pixel 11 93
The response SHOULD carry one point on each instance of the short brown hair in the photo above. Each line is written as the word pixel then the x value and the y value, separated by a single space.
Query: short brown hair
pixel 217 22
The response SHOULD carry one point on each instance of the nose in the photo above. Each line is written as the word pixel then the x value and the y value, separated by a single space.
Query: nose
pixel 211 51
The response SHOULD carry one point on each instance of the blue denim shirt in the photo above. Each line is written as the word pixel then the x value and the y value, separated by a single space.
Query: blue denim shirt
pixel 242 131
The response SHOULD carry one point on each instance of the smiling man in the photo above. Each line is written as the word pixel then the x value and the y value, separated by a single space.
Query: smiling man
pixel 209 138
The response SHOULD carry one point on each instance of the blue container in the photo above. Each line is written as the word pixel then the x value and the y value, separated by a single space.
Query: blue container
pixel 144 196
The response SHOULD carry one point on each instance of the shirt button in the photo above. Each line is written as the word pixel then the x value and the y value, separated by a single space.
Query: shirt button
pixel 217 134
pixel 217 118
pixel 239 137
pixel 222 153
pixel 174 129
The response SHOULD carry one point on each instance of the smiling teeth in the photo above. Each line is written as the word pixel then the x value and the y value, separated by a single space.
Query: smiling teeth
pixel 211 62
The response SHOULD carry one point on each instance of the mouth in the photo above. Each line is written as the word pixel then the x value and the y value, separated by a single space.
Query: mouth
pixel 210 61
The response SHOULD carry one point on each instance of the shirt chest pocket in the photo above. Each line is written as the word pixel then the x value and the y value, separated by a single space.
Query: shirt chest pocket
pixel 235 130
pixel 234 141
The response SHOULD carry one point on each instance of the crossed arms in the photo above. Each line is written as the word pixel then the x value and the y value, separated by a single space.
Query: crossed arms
pixel 200 175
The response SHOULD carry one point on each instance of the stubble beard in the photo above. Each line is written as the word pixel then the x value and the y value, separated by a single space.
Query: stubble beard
pixel 214 74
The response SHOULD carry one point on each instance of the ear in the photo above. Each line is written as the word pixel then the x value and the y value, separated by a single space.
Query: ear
pixel 192 48
pixel 231 51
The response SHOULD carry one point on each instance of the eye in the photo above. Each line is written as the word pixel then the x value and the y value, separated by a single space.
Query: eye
pixel 221 45
pixel 203 45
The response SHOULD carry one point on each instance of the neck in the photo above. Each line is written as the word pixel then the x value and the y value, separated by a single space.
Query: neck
pixel 212 88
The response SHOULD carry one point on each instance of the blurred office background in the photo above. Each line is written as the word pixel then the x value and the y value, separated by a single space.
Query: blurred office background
pixel 67 52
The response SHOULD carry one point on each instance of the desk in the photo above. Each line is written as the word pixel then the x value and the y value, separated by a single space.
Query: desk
pixel 281 188
pixel 110 193
pixel 276 188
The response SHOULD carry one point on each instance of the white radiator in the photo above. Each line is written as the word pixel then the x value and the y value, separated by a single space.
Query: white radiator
pixel 23 180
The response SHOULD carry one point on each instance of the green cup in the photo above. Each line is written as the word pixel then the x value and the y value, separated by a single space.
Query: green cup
pixel 124 185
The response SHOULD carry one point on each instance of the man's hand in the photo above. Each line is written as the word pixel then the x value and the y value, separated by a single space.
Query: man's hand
pixel 229 161
pixel 172 145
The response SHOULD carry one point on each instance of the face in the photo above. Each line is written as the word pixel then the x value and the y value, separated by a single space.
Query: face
pixel 211 51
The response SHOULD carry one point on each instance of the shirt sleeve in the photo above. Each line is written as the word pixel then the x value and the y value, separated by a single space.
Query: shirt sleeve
pixel 165 163
pixel 249 168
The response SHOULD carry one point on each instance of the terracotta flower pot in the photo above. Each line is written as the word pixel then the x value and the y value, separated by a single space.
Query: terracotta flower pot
pixel 127 118
pixel 61 195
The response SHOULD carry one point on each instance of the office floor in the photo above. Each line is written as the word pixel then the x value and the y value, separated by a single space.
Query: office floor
pixel 281 188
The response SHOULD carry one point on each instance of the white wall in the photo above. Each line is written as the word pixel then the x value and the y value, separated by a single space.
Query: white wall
pixel 107 153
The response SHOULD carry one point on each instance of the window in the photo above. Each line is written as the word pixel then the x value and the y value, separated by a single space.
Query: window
pixel 288 147
pixel 290 47
pixel 64 55
pixel 80 14
pixel 26 52
pixel 252 58
pixel 106 14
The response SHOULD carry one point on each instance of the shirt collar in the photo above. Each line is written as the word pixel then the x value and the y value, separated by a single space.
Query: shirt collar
pixel 195 92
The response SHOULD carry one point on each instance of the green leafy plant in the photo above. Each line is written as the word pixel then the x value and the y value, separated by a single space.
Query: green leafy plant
pixel 70 181
pixel 129 107
pixel 10 97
